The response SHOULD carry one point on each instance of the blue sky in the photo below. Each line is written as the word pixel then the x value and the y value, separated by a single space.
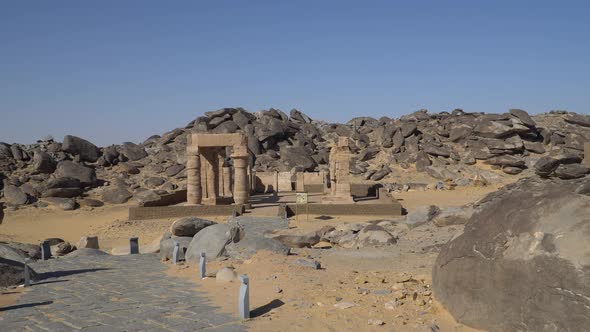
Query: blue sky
pixel 114 71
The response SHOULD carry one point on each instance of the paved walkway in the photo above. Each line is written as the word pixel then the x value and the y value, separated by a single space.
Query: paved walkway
pixel 112 293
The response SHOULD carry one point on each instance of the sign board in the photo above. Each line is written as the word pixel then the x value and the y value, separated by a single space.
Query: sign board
pixel 301 198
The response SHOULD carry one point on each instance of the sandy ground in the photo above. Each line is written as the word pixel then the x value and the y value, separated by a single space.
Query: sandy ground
pixel 288 297
pixel 109 223
pixel 285 296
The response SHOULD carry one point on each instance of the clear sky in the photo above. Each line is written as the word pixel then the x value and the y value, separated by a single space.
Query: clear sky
pixel 114 71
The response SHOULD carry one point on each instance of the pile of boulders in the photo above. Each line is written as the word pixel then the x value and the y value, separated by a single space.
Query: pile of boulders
pixel 375 234
pixel 445 146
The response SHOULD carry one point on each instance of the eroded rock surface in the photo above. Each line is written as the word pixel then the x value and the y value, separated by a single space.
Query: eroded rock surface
pixel 523 261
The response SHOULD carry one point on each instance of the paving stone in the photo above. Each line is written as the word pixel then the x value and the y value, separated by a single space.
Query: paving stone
pixel 94 294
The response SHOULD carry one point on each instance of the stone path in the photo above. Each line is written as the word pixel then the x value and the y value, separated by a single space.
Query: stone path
pixel 112 293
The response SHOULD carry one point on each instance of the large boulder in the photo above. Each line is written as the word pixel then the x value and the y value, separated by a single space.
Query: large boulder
pixel 523 261
pixel 374 236
pixel 70 169
pixel 252 237
pixel 167 247
pixel 8 252
pixel 43 163
pixel 19 251
pixel 117 195
pixel 12 273
pixel 132 151
pixel 297 157
pixel 212 241
pixel 66 204
pixel 306 240
pixel 15 195
pixel 189 226
pixel 62 187
pixel 80 147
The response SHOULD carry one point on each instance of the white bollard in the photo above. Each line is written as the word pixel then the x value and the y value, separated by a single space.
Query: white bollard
pixel 134 245
pixel 202 265
pixel 27 273
pixel 244 297
pixel 45 250
pixel 175 252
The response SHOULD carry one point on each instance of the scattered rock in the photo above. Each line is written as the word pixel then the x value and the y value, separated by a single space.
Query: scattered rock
pixel 15 196
pixel 66 204
pixel 90 242
pixel 118 195
pixel 377 322
pixel 309 263
pixel 167 247
pixel 62 248
pixel 189 226
pixel 225 275
pixel 70 169
pixel 344 305
pixel 298 241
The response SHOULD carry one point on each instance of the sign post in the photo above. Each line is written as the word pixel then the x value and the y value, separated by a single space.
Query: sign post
pixel 301 199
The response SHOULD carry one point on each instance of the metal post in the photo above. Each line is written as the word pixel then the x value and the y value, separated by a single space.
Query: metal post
pixel 244 297
pixel 175 252
pixel 45 250
pixel 134 245
pixel 202 265
pixel 27 273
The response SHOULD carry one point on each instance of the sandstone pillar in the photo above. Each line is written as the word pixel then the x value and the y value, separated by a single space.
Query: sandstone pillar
pixel 220 178
pixel 194 192
pixel 240 157
pixel 227 181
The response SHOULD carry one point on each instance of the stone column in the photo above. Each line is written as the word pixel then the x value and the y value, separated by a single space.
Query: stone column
pixel 227 181
pixel 240 157
pixel 194 193
pixel 220 174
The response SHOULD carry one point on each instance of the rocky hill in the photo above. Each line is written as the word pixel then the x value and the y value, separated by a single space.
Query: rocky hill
pixel 446 149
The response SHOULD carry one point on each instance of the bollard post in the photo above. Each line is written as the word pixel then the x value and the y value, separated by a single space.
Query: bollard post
pixel 45 250
pixel 244 297
pixel 175 252
pixel 27 273
pixel 284 211
pixel 202 265
pixel 134 245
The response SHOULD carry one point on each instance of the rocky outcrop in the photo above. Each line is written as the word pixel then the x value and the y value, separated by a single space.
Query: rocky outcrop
pixel 523 261
pixel 443 146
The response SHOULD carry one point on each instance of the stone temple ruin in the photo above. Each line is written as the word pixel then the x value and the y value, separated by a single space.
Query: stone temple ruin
pixel 221 182
pixel 207 177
